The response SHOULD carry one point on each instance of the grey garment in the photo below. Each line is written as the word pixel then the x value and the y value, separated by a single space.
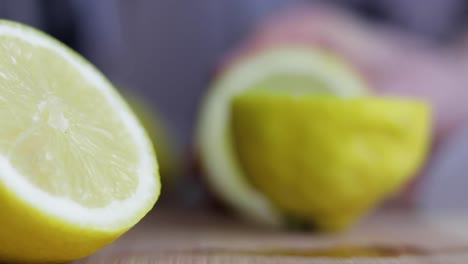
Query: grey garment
pixel 25 11
pixel 447 180
pixel 437 19
pixel 166 51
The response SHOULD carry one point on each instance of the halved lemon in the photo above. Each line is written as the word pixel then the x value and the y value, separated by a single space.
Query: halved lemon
pixel 291 135
pixel 325 161
pixel 280 70
pixel 77 168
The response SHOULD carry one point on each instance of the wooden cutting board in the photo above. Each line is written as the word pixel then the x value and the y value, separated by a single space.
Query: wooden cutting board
pixel 198 236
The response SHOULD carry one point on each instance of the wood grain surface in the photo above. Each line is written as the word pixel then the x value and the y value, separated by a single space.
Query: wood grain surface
pixel 199 236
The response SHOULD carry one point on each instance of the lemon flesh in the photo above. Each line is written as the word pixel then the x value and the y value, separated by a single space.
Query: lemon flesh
pixel 327 160
pixel 292 70
pixel 78 169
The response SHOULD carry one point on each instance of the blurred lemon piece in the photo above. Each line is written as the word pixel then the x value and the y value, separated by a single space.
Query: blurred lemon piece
pixel 300 71
pixel 77 168
pixel 327 160
pixel 159 133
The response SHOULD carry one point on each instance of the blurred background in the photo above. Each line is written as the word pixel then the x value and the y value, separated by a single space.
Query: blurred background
pixel 167 52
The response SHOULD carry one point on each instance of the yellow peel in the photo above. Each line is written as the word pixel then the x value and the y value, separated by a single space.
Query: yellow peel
pixel 328 160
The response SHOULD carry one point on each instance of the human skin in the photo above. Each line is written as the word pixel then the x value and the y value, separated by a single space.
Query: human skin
pixel 393 63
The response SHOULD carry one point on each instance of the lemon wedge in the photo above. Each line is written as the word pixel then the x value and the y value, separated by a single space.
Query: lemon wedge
pixel 77 168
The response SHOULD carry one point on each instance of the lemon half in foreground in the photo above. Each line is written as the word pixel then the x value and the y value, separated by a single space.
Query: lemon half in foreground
pixel 290 133
pixel 77 168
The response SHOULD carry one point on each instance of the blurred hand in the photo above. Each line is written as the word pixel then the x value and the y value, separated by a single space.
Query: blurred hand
pixel 394 63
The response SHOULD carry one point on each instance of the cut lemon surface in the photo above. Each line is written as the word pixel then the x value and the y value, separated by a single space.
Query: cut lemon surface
pixel 279 70
pixel 325 160
pixel 77 168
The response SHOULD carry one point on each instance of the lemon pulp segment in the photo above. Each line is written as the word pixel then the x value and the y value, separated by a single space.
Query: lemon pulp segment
pixel 58 123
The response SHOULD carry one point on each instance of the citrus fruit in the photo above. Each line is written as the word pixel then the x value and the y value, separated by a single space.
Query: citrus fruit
pixel 78 169
pixel 327 160
pixel 291 135
pixel 280 70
